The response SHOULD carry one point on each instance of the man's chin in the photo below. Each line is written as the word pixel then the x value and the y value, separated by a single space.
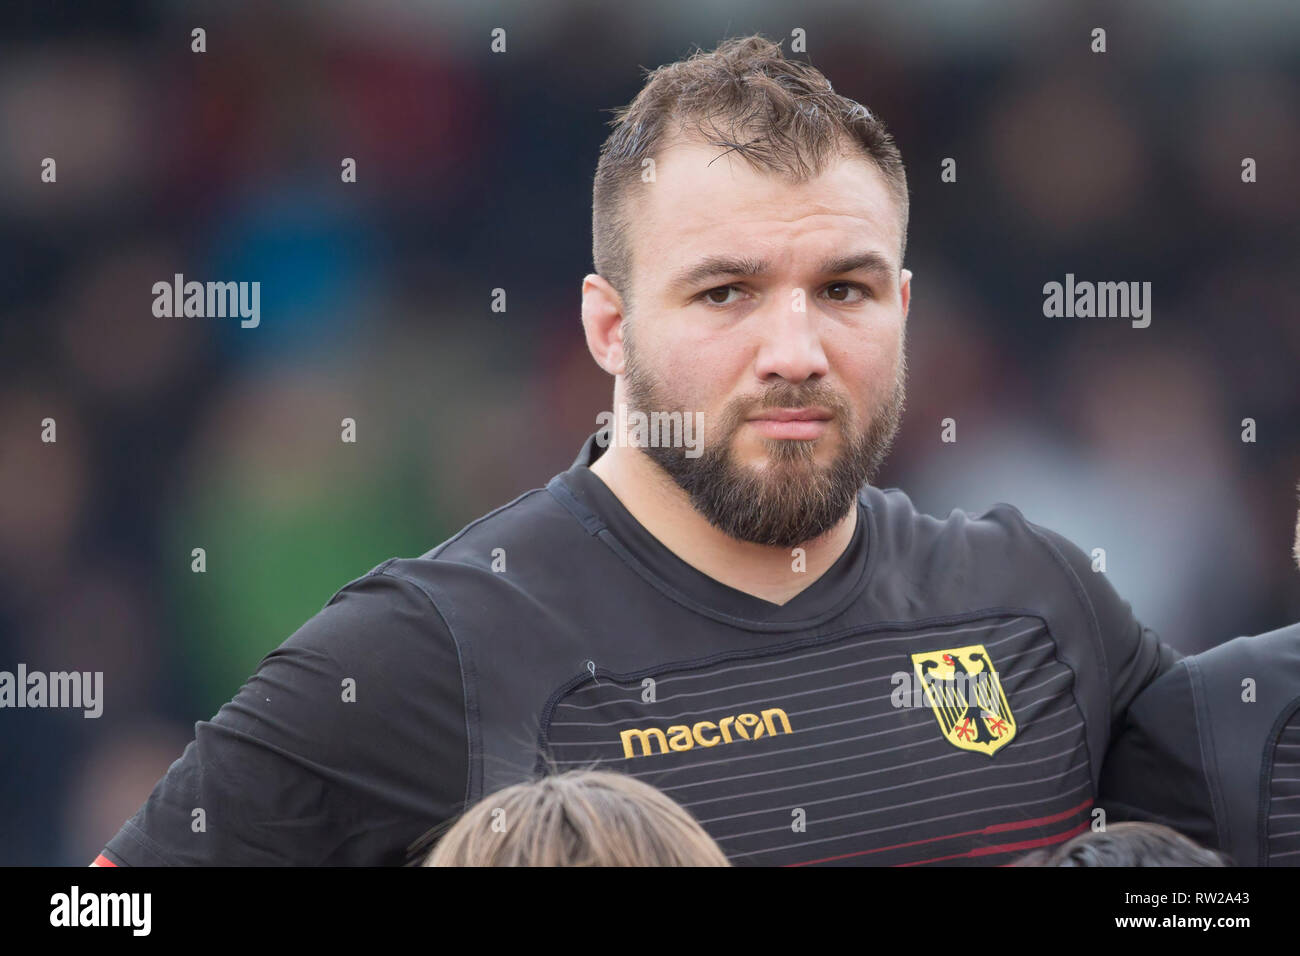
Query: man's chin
pixel 788 460
pixel 776 477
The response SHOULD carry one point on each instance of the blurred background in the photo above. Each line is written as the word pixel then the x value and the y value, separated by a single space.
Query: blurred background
pixel 474 172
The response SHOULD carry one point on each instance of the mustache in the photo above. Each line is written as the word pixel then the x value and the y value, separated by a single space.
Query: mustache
pixel 785 395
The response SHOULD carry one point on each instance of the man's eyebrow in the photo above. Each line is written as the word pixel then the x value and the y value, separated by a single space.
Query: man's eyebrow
pixel 717 266
pixel 870 261
pixel 723 266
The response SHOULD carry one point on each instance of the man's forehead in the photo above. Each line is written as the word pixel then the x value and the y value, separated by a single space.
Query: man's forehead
pixel 703 194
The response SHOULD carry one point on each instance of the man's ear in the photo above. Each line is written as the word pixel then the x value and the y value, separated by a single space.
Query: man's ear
pixel 602 321
pixel 905 290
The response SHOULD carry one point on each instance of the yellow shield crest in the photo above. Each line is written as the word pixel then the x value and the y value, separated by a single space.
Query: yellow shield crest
pixel 962 688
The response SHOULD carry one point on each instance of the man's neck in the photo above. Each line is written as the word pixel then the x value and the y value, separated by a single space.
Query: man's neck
pixel 663 509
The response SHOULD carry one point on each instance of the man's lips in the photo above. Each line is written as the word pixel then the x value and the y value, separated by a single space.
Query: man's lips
pixel 791 415
pixel 801 424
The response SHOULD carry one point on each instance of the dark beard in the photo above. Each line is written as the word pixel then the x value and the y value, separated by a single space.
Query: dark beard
pixel 791 500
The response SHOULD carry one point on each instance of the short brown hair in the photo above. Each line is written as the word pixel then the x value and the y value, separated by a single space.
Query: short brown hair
pixel 1127 844
pixel 781 115
pixel 578 818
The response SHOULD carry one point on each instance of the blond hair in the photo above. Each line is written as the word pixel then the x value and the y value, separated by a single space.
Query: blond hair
pixel 579 818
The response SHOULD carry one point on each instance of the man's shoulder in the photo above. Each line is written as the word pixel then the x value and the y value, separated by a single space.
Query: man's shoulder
pixel 533 530
pixel 1000 558
pixel 1000 531
pixel 534 521
pixel 1280 649
pixel 533 513
pixel 895 506
pixel 1207 745
pixel 1261 670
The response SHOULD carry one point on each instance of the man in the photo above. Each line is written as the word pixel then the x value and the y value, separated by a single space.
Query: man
pixel 1212 748
pixel 712 598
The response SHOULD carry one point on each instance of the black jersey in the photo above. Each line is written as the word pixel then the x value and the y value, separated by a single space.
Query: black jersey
pixel 1212 749
pixel 945 693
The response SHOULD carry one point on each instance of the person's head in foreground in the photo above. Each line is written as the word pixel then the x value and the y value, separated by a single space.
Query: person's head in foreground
pixel 1127 844
pixel 749 225
pixel 579 818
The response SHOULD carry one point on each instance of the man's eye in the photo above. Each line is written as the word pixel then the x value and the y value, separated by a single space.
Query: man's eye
pixel 712 294
pixel 844 292
pixel 846 289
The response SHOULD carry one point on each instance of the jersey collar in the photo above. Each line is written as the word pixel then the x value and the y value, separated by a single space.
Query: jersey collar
pixel 600 511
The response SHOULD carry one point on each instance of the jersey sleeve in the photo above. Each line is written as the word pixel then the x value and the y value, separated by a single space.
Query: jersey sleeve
pixel 347 743
pixel 1134 655
pixel 1142 776
pixel 1155 770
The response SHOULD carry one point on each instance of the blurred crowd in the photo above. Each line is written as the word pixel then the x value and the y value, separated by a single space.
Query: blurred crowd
pixel 474 173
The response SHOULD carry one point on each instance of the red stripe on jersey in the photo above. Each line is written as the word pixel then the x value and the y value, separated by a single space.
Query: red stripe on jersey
pixel 1021 847
pixel 102 860
pixel 995 828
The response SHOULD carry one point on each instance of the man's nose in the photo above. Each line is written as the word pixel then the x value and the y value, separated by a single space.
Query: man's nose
pixel 789 341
